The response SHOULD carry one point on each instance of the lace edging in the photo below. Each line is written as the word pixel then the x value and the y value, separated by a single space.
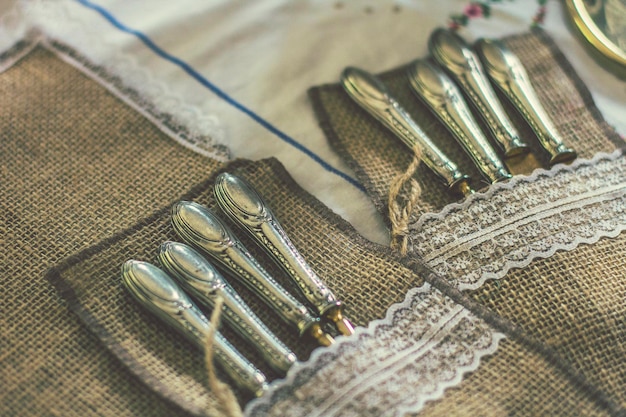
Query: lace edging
pixel 531 217
pixel 424 345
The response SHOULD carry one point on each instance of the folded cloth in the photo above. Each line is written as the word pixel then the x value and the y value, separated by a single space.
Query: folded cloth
pixel 549 243
pixel 426 343
pixel 80 160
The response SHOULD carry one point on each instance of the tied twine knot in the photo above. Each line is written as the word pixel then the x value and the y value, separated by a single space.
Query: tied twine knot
pixel 401 204
pixel 226 400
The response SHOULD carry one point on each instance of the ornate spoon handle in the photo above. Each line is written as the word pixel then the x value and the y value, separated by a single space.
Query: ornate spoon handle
pixel 244 206
pixel 372 95
pixel 435 89
pixel 463 66
pixel 156 291
pixel 507 72
pixel 200 279
pixel 200 227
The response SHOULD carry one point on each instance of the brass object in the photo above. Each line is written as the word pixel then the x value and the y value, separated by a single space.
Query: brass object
pixel 443 97
pixel 200 227
pixel 158 293
pixel 372 95
pixel 200 279
pixel 601 25
pixel 507 72
pixel 245 207
pixel 460 62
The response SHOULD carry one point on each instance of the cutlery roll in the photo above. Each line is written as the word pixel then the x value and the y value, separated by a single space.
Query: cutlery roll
pixel 545 251
pixel 406 328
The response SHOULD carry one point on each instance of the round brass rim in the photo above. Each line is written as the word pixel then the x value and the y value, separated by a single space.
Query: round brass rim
pixel 602 48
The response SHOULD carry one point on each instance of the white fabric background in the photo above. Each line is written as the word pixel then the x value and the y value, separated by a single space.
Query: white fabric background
pixel 265 55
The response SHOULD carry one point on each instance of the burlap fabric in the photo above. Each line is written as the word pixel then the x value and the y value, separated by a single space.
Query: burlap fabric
pixel 86 176
pixel 77 165
pixel 369 278
pixel 572 302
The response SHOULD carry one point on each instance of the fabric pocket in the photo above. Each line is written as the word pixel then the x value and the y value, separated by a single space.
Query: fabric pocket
pixel 544 251
pixel 425 344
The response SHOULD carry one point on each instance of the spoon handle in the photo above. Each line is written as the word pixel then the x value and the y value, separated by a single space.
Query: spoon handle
pixel 200 279
pixel 439 93
pixel 507 72
pixel 157 292
pixel 372 95
pixel 461 63
pixel 244 206
pixel 200 227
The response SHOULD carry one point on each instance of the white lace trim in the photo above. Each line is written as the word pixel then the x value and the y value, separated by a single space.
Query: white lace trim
pixel 423 346
pixel 119 73
pixel 527 218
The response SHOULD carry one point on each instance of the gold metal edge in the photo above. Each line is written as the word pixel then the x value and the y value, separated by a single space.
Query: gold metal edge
pixel 601 48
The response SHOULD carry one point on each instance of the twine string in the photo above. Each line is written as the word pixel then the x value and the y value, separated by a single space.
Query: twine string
pixel 226 400
pixel 400 208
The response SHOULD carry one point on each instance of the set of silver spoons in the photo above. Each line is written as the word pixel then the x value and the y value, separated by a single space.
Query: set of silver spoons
pixel 187 274
pixel 455 73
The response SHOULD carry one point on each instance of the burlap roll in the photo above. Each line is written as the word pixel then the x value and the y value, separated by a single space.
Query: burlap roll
pixel 573 302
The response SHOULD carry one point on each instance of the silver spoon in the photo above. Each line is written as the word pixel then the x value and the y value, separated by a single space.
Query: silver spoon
pixel 244 206
pixel 205 283
pixel 372 95
pixel 200 227
pixel 443 97
pixel 507 72
pixel 157 292
pixel 461 64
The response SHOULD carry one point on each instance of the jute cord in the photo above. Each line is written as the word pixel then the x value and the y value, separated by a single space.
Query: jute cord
pixel 225 396
pixel 401 206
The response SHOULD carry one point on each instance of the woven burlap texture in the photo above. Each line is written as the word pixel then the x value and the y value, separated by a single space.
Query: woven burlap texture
pixel 83 172
pixel 367 277
pixel 574 301
pixel 77 165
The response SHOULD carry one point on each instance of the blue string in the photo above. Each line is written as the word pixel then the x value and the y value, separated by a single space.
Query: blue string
pixel 220 93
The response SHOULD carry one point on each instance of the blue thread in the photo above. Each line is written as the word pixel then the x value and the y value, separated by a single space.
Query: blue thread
pixel 193 73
